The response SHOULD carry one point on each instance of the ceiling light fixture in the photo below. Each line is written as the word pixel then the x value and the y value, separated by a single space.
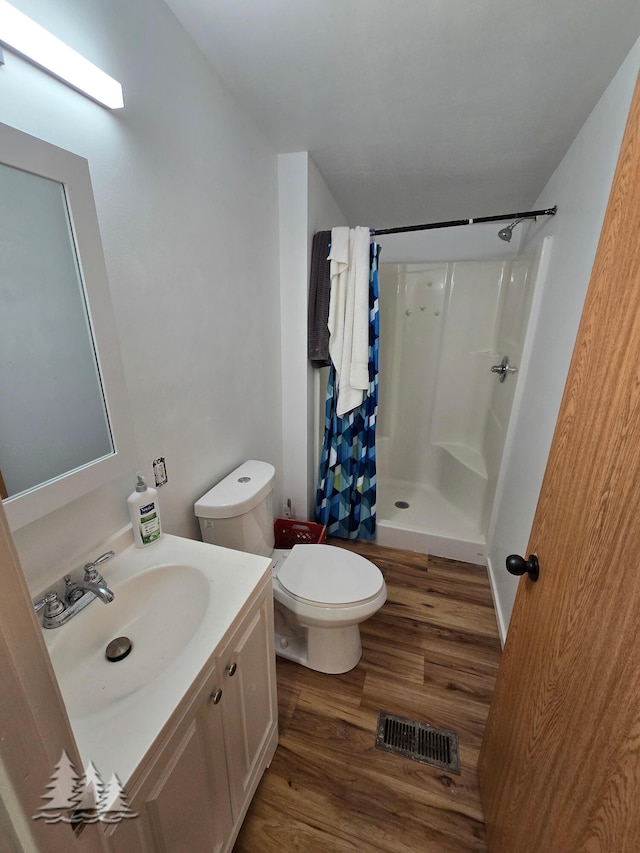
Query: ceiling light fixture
pixel 32 41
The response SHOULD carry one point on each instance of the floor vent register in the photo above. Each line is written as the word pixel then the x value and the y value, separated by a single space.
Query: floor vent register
pixel 418 741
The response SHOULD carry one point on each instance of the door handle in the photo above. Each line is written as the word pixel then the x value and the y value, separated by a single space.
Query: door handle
pixel 517 565
pixel 503 368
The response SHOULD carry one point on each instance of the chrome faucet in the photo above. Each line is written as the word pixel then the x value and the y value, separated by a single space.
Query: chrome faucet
pixel 92 582
pixel 78 589
pixel 78 594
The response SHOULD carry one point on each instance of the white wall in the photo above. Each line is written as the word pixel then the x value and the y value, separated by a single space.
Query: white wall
pixel 306 206
pixel 580 187
pixel 187 200
pixel 293 170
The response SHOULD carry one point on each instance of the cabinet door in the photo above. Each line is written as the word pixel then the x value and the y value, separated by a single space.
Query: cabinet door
pixel 186 806
pixel 249 706
pixel 127 836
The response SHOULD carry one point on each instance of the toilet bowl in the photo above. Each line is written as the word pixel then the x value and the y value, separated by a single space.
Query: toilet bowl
pixel 321 593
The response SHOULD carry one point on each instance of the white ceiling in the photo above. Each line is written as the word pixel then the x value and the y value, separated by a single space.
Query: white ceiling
pixel 419 110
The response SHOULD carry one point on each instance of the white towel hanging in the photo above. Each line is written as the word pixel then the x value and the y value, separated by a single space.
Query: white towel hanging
pixel 349 314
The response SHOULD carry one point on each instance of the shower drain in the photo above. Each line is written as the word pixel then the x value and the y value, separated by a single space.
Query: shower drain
pixel 401 504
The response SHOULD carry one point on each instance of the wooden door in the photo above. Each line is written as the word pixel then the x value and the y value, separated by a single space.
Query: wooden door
pixel 560 763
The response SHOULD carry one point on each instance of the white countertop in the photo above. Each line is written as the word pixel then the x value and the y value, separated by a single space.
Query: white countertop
pixel 116 736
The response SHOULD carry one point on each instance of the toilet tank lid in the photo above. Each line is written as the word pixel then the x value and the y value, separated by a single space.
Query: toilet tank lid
pixel 239 492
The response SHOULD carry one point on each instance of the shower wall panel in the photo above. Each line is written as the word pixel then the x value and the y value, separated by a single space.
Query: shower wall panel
pixel 468 350
pixel 514 316
pixel 411 308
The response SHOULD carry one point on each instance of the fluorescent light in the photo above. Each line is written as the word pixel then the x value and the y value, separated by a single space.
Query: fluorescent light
pixel 23 35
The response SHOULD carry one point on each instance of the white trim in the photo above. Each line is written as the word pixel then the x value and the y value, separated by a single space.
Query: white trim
pixel 500 619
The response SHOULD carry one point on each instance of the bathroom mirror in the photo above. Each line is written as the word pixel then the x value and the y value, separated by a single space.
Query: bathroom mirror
pixel 65 427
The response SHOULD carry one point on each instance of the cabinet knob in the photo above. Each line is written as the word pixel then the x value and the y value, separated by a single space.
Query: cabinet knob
pixel 216 696
pixel 231 668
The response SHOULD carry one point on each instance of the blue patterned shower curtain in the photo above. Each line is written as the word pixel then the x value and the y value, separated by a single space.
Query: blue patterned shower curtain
pixel 346 495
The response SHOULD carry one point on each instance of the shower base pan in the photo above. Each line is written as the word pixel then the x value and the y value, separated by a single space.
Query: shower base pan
pixel 429 524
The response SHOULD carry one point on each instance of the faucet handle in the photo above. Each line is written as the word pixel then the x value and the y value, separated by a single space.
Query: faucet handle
pixel 101 559
pixel 52 605
pixel 91 574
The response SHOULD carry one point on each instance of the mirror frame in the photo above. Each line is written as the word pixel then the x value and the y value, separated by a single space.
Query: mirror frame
pixel 33 155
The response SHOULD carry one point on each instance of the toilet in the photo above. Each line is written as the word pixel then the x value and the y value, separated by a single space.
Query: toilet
pixel 321 592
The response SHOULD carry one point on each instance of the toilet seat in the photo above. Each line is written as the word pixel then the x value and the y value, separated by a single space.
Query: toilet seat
pixel 331 576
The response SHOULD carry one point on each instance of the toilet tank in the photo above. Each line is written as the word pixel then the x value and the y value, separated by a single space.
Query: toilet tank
pixel 238 511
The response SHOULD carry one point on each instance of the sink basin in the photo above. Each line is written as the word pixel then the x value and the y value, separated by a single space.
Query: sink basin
pixel 176 601
pixel 159 610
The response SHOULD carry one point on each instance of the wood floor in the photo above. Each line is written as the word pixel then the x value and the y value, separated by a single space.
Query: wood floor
pixel 430 654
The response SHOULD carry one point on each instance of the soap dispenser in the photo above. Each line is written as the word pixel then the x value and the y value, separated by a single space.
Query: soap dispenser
pixel 145 514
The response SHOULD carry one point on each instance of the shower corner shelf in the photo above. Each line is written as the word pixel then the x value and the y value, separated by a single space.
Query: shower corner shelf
pixel 467 456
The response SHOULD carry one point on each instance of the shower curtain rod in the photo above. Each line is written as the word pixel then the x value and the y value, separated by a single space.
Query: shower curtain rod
pixel 530 214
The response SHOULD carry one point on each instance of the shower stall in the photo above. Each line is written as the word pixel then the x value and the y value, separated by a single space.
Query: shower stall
pixel 445 398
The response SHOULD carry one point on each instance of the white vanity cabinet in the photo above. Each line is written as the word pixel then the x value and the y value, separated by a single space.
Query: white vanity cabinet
pixel 193 788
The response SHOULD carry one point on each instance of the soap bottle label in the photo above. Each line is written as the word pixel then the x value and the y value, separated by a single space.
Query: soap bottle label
pixel 149 524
